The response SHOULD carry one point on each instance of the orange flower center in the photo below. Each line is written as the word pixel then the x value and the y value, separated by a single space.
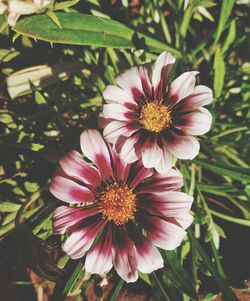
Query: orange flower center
pixel 155 117
pixel 118 203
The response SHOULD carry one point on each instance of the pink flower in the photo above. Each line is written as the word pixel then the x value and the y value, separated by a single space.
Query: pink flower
pixel 146 120
pixel 119 213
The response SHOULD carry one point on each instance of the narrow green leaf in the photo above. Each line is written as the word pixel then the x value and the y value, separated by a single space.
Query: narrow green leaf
pixel 220 281
pixel 40 100
pixel 160 292
pixel 65 4
pixel 54 18
pixel 73 269
pixel 226 8
pixel 177 274
pixel 236 173
pixel 40 215
pixel 83 29
pixel 232 219
pixel 186 20
pixel 219 73
pixel 230 37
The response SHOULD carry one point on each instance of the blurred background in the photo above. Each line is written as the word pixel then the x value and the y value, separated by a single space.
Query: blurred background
pixel 50 92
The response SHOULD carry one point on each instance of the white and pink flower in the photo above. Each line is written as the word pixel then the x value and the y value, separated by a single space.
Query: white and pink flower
pixel 13 9
pixel 147 118
pixel 117 214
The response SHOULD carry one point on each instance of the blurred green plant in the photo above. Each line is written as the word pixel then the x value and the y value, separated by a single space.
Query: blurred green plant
pixel 41 118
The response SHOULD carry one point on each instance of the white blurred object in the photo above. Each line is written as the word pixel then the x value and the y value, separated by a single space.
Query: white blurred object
pixel 243 2
pixel 13 9
pixel 29 79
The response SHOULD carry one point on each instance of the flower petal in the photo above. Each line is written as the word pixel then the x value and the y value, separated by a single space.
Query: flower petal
pixel 151 154
pixel 124 256
pixel 161 70
pixel 65 217
pixel 99 257
pixel 130 81
pixel 127 149
pixel 138 173
pixel 79 242
pixel 170 203
pixel 172 180
pixel 181 87
pixel 120 167
pixel 116 128
pixel 165 163
pixel 114 94
pixel 163 234
pixel 74 166
pixel 69 191
pixel 117 112
pixel 148 257
pixel 185 220
pixel 197 122
pixel 144 71
pixel 183 147
pixel 200 96
pixel 95 149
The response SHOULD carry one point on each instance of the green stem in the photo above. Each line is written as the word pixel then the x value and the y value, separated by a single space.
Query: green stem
pixel 231 219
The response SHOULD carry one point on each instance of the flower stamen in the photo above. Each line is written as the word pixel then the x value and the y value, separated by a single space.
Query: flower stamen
pixel 155 117
pixel 118 203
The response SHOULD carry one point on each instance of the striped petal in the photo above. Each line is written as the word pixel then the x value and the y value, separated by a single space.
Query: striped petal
pixel 95 149
pixel 69 191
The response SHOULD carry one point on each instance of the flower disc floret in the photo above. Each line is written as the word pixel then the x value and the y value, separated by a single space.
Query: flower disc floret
pixel 118 203
pixel 155 117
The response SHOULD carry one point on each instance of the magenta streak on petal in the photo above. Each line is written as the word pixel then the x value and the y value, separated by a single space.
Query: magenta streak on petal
pixel 172 180
pixel 65 217
pixel 95 149
pixel 76 167
pixel 138 96
pixel 162 233
pixel 99 257
pixel 79 241
pixel 138 173
pixel 124 256
pixel 120 168
pixel 69 191
pixel 170 203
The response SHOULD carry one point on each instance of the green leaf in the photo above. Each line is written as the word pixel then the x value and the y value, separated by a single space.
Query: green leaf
pixel 144 277
pixel 65 4
pixel 83 29
pixel 219 73
pixel 9 207
pixel 230 37
pixel 226 8
pixel 159 292
pixel 220 281
pixel 54 18
pixel 186 19
pixel 236 173
pixel 39 98
pixel 177 275
pixel 62 288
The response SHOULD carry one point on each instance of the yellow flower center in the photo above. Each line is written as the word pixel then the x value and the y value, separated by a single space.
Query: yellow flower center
pixel 118 204
pixel 155 117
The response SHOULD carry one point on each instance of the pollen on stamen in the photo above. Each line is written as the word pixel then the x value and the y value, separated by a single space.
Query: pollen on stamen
pixel 118 203
pixel 155 117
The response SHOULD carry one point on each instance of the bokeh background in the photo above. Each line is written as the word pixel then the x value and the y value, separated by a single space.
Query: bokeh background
pixel 50 92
